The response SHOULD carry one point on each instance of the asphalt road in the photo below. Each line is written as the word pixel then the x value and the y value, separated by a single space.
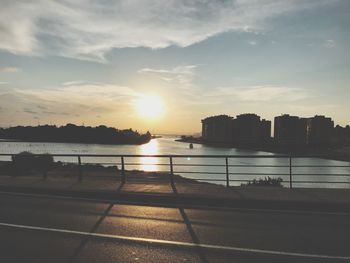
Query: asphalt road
pixel 40 229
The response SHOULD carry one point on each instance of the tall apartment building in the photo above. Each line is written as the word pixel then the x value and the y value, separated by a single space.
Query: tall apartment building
pixel 341 135
pixel 244 129
pixel 265 130
pixel 217 128
pixel 290 130
pixel 319 130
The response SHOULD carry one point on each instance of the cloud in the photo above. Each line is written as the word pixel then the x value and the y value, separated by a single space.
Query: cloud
pixel 74 82
pixel 88 29
pixel 330 43
pixel 252 43
pixel 184 69
pixel 81 94
pixel 65 102
pixel 267 93
pixel 30 111
pixel 9 70
pixel 179 76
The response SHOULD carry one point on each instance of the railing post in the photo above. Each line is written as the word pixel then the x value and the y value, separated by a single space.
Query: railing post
pixel 123 170
pixel 171 170
pixel 290 173
pixel 14 169
pixel 227 174
pixel 80 177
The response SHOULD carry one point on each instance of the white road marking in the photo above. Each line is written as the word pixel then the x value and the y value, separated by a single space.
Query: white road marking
pixel 173 243
pixel 98 200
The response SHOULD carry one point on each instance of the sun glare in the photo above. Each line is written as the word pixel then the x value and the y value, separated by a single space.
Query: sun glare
pixel 150 107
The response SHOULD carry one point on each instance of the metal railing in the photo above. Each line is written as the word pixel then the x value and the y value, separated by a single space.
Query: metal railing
pixel 227 170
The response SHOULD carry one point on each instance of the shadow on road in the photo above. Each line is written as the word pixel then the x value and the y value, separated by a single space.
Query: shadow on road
pixel 120 187
pixel 93 229
pixel 190 229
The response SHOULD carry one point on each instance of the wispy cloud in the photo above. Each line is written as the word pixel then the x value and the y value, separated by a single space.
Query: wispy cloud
pixel 82 94
pixel 329 43
pixel 252 43
pixel 185 69
pixel 9 69
pixel 69 101
pixel 276 94
pixel 74 82
pixel 88 29
pixel 180 76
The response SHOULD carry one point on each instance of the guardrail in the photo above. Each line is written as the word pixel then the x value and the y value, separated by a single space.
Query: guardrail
pixel 229 171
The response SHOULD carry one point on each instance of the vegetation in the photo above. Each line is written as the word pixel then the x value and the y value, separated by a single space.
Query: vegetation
pixel 267 181
pixel 26 162
pixel 74 134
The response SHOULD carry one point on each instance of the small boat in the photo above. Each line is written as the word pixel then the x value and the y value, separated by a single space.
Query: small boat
pixel 191 146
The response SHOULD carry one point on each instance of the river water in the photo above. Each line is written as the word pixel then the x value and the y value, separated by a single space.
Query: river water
pixel 302 176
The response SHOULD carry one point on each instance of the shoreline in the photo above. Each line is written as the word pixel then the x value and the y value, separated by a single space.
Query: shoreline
pixel 92 143
pixel 326 153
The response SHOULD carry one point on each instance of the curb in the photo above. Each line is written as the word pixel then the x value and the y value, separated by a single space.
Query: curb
pixel 183 200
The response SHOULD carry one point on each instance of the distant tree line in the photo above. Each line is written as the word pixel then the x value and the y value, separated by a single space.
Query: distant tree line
pixel 71 133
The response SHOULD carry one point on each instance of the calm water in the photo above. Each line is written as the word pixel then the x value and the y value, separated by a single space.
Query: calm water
pixel 167 145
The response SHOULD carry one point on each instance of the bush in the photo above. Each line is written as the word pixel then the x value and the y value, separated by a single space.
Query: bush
pixel 26 162
pixel 44 162
pixel 267 181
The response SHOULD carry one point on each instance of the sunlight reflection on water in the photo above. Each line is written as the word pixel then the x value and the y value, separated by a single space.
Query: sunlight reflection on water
pixel 149 163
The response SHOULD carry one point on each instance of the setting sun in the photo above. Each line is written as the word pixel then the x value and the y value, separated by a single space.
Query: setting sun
pixel 150 106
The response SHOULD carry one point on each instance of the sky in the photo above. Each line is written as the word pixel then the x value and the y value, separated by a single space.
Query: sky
pixel 96 62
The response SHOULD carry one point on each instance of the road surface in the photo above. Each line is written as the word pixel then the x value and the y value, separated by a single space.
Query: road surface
pixel 36 228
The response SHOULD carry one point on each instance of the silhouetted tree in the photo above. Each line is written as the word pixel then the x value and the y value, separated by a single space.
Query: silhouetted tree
pixel 72 133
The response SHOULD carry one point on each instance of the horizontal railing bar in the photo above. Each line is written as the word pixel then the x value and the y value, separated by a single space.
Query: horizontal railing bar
pixel 223 165
pixel 218 180
pixel 176 156
pixel 189 165
pixel 209 180
pixel 243 173
pixel 173 155
pixel 321 174
pixel 99 163
pixel 143 164
pixel 174 164
pixel 322 166
pixel 240 180
pixel 209 165
pixel 322 182
pixel 230 165
pixel 253 165
pixel 187 172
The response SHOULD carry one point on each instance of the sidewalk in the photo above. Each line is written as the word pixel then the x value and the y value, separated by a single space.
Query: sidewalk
pixel 155 186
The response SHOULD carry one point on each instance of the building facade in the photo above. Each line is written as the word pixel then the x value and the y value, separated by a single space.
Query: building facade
pixel 217 128
pixel 319 130
pixel 290 130
pixel 244 129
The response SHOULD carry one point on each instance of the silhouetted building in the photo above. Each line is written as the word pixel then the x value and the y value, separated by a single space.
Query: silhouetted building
pixel 319 130
pixel 265 130
pixel 341 135
pixel 290 130
pixel 217 128
pixel 246 129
